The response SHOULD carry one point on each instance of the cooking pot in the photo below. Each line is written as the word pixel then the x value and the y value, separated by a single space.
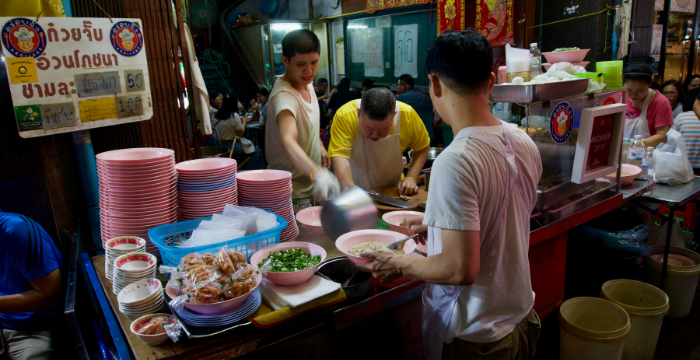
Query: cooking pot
pixel 352 210
pixel 340 269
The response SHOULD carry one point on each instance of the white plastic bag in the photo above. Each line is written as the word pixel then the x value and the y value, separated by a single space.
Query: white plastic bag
pixel 672 164
pixel 676 236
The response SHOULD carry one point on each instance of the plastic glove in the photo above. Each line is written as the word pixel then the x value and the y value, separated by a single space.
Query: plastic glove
pixel 326 185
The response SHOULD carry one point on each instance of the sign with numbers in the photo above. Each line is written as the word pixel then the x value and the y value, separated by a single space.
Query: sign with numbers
pixel 69 74
pixel 599 142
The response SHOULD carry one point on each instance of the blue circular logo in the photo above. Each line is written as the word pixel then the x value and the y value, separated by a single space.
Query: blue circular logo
pixel 24 38
pixel 561 122
pixel 126 38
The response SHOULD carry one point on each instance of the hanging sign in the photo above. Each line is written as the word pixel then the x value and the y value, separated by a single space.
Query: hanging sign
pixel 69 74
pixel 494 20
pixel 406 50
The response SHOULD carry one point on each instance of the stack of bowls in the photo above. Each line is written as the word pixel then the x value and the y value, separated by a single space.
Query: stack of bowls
pixel 205 186
pixel 132 267
pixel 141 298
pixel 137 192
pixel 270 190
pixel 119 246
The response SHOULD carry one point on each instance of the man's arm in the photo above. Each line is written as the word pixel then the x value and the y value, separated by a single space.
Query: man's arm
pixel 408 186
pixel 458 264
pixel 287 124
pixel 45 295
pixel 696 108
pixel 341 168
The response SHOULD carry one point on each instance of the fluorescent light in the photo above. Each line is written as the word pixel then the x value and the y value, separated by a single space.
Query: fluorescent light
pixel 286 26
pixel 357 26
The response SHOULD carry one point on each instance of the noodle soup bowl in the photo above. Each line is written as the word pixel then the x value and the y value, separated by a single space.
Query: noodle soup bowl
pixel 355 238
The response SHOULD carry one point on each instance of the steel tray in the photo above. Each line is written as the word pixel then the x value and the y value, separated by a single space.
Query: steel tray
pixel 540 92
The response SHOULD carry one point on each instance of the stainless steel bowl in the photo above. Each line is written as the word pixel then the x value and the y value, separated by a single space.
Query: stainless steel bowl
pixel 352 210
pixel 340 269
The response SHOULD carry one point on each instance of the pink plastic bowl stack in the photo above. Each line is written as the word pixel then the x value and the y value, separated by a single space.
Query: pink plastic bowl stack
pixel 270 190
pixel 205 186
pixel 137 192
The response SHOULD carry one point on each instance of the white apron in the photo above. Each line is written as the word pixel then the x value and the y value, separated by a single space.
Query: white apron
pixel 377 163
pixel 639 125
pixel 439 301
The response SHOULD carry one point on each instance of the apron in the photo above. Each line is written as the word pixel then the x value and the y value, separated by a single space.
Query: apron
pixel 439 301
pixel 639 125
pixel 377 163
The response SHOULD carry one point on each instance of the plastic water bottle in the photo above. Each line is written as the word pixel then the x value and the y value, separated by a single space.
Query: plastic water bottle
pixel 635 154
pixel 648 164
pixel 536 61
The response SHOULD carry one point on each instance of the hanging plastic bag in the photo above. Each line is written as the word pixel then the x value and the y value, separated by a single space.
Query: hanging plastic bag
pixel 631 241
pixel 676 235
pixel 672 164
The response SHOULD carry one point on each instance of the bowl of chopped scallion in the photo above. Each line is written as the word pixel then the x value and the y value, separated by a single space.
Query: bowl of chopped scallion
pixel 289 263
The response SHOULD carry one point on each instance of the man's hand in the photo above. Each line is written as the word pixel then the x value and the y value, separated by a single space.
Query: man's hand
pixel 325 161
pixel 326 185
pixel 408 186
pixel 415 226
pixel 383 267
pixel 252 102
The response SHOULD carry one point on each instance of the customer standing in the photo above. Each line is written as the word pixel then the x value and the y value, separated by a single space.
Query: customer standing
pixel 30 288
pixel 418 101
pixel 649 114
pixel 673 91
pixel 292 139
pixel 478 301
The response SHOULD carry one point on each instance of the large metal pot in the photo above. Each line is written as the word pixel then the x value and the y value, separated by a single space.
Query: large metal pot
pixel 427 177
pixel 214 152
pixel 352 210
pixel 432 155
pixel 340 269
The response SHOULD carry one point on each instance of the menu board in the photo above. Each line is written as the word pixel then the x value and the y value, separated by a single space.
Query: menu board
pixel 601 141
pixel 69 74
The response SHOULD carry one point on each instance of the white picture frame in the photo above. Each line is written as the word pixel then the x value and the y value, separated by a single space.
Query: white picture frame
pixel 581 171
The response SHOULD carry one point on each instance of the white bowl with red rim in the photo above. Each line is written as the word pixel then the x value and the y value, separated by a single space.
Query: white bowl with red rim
pixel 150 339
pixel 140 292
pixel 135 262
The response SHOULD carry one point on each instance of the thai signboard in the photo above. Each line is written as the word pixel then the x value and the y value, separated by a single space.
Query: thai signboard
pixel 69 74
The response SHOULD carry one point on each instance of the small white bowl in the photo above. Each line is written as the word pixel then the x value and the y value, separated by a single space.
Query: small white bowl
pixel 142 290
pixel 150 339
pixel 135 262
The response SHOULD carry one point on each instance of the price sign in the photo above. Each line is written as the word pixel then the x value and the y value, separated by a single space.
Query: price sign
pixel 134 80
pixel 601 140
pixel 128 106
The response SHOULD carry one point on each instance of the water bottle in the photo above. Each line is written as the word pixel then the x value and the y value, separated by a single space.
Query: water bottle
pixel 635 154
pixel 648 163
pixel 536 61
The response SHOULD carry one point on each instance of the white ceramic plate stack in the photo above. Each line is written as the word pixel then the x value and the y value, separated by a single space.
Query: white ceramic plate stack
pixel 141 298
pixel 205 186
pixel 138 191
pixel 132 267
pixel 270 190
pixel 119 246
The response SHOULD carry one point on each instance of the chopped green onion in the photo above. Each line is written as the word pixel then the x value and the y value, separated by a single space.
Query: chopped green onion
pixel 290 260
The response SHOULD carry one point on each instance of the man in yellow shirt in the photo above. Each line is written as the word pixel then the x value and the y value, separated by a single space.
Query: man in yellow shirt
pixel 368 138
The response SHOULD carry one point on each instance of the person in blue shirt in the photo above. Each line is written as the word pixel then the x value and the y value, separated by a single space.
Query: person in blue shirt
pixel 418 101
pixel 30 287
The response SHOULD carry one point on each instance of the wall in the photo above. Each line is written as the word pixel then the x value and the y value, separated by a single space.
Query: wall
pixel 323 9
pixel 336 30
pixel 288 9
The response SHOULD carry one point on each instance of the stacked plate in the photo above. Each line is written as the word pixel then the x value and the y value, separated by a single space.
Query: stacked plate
pixel 248 307
pixel 119 246
pixel 131 268
pixel 141 298
pixel 137 192
pixel 205 186
pixel 270 190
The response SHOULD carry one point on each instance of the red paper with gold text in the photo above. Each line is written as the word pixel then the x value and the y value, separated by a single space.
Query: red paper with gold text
pixel 450 15
pixel 494 20
pixel 376 5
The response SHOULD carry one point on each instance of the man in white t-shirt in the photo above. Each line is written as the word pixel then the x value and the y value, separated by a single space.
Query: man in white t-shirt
pixel 478 301
pixel 292 141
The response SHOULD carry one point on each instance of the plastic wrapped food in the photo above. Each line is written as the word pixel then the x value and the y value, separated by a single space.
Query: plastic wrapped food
pixel 201 274
pixel 190 261
pixel 154 326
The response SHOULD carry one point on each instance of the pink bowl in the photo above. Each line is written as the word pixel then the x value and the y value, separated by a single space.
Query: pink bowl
pixel 206 165
pixel 295 277
pixel 134 156
pixel 395 218
pixel 207 175
pixel 220 307
pixel 310 219
pixel 257 176
pixel 574 56
pixel 348 241
pixel 629 173
pixel 683 260
pixel 582 64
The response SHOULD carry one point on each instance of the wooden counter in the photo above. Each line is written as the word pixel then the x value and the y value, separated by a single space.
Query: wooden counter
pixel 420 197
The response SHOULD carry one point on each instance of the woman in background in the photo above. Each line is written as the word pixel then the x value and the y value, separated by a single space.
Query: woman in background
pixel 673 91
pixel 229 127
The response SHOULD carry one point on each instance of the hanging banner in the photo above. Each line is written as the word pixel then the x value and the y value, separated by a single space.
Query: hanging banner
pixel 494 20
pixel 374 53
pixel 450 15
pixel 406 50
pixel 686 6
pixel 376 5
pixel 69 74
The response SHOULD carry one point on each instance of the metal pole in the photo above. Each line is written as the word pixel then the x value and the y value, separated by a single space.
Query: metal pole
pixel 693 42
pixel 87 167
pixel 667 247
pixel 664 39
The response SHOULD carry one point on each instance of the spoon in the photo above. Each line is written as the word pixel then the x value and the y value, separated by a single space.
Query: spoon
pixel 395 245
pixel 348 280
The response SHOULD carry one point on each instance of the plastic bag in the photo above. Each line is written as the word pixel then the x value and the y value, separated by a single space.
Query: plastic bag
pixel 676 235
pixel 630 241
pixel 672 164
pixel 173 330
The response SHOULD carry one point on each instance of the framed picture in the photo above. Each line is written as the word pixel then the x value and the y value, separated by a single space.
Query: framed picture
pixel 599 142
